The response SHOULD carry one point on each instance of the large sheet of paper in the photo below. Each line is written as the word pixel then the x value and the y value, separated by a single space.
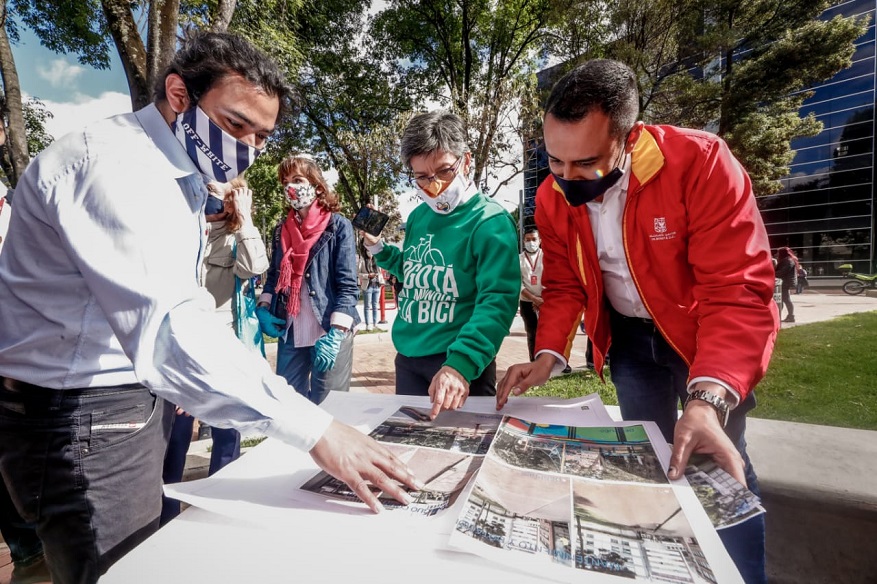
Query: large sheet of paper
pixel 570 513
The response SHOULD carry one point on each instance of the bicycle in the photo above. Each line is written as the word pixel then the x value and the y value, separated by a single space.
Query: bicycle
pixel 858 282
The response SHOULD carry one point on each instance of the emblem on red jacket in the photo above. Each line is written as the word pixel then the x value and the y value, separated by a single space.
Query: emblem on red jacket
pixel 660 225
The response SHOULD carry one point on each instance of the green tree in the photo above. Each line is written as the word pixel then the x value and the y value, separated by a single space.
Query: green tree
pixel 472 56
pixel 738 67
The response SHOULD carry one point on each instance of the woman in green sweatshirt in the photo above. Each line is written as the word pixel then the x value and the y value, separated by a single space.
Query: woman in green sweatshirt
pixel 459 269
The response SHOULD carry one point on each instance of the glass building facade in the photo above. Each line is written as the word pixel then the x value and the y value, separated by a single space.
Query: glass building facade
pixel 825 211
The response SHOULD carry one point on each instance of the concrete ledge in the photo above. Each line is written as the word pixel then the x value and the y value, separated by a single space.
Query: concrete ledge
pixel 819 487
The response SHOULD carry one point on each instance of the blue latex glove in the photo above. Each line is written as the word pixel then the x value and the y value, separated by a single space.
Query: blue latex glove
pixel 270 324
pixel 326 349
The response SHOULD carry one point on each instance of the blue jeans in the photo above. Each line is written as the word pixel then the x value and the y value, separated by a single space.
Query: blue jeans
pixel 84 465
pixel 226 448
pixel 651 381
pixel 295 364
pixel 370 298
pixel 21 537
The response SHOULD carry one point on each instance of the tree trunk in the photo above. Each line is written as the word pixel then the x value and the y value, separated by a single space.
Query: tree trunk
pixel 224 12
pixel 16 136
pixel 161 38
pixel 123 28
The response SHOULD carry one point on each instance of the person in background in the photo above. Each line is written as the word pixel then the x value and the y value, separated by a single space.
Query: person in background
pixel 371 282
pixel 310 294
pixel 234 249
pixel 656 232
pixel 802 280
pixel 787 270
pixel 104 323
pixel 458 266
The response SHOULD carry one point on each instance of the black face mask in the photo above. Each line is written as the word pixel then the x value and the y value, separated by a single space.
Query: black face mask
pixel 581 191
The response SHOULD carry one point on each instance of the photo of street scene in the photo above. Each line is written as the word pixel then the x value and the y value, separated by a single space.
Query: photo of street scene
pixel 452 430
pixel 444 474
pixel 635 531
pixel 519 511
pixel 621 453
pixel 725 501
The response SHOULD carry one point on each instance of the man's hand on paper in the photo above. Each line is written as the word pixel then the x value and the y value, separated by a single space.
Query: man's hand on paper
pixel 699 431
pixel 447 391
pixel 359 461
pixel 521 377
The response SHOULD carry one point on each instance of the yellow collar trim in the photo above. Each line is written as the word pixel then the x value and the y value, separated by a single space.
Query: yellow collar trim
pixel 646 158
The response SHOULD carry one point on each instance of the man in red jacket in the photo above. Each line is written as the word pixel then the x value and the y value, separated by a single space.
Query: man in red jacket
pixel 654 230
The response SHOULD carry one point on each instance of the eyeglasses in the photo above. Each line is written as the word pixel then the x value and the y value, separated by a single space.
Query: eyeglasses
pixel 444 175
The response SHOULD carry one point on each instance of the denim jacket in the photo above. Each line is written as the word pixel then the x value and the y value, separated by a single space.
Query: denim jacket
pixel 330 276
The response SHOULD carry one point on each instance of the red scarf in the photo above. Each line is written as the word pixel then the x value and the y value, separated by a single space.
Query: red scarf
pixel 297 239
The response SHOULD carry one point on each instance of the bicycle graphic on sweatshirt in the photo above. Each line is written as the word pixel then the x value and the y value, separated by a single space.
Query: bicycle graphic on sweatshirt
pixel 430 289
pixel 423 253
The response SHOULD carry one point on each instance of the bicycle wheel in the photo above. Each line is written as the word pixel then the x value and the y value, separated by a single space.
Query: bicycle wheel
pixel 854 287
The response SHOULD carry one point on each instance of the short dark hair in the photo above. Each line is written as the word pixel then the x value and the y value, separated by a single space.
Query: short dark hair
pixel 206 57
pixel 600 84
pixel 530 230
pixel 435 131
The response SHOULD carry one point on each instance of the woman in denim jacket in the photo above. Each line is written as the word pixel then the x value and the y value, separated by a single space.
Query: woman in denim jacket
pixel 310 294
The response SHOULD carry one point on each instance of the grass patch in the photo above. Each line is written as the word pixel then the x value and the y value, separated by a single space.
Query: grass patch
pixel 252 441
pixel 374 331
pixel 824 373
pixel 821 373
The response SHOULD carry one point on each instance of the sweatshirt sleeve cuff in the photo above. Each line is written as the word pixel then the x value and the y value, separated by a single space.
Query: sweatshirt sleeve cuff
pixel 463 365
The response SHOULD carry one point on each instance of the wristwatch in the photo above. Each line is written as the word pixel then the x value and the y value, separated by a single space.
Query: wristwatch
pixel 720 405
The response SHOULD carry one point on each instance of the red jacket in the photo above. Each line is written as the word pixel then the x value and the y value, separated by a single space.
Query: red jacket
pixel 696 249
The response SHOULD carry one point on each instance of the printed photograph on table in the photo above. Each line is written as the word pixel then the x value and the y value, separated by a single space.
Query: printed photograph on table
pixel 581 503
pixel 452 430
pixel 607 453
pixel 443 473
pixel 444 453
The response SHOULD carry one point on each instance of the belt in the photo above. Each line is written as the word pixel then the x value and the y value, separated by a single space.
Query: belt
pixel 23 387
pixel 631 319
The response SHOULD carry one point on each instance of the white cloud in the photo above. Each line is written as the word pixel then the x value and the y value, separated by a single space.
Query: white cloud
pixel 60 73
pixel 70 116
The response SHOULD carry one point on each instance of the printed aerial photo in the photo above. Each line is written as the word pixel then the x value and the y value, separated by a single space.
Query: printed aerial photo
pixel 443 473
pixel 452 430
pixel 621 453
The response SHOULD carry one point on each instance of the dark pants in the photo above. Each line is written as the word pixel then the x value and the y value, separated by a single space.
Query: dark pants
pixel 296 365
pixel 531 319
pixel 85 467
pixel 650 379
pixel 226 448
pixel 21 537
pixel 414 374
pixel 787 300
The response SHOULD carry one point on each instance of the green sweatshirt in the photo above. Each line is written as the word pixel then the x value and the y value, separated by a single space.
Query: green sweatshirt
pixel 461 284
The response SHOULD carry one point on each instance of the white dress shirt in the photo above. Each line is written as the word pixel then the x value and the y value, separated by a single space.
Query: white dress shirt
pixel 99 281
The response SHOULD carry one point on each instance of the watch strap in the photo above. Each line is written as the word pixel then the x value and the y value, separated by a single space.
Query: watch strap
pixel 719 404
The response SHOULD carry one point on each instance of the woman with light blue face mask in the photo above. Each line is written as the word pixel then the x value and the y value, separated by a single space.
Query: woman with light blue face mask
pixel 459 268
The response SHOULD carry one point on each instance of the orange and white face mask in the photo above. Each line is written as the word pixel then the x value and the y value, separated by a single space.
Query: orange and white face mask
pixel 443 197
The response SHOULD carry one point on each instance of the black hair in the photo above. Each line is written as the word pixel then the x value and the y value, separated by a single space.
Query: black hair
pixel 206 57
pixel 600 84
pixel 531 230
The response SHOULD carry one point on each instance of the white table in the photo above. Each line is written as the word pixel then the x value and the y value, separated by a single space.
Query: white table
pixel 276 536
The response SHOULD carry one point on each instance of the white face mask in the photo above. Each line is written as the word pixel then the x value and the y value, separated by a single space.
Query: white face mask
pixel 531 246
pixel 217 154
pixel 300 196
pixel 454 195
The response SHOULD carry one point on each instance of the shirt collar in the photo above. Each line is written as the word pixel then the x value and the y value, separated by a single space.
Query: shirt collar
pixel 159 131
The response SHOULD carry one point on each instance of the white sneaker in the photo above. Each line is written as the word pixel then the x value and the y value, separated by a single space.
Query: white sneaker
pixel 368 327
